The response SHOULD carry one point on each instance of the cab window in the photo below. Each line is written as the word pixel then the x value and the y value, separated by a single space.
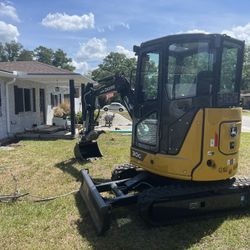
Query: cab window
pixel 228 68
pixel 189 65
pixel 149 76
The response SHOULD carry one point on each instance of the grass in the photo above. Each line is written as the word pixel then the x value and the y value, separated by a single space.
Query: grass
pixel 46 168
pixel 246 112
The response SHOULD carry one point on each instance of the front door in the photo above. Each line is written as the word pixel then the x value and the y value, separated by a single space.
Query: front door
pixel 42 106
pixel 146 114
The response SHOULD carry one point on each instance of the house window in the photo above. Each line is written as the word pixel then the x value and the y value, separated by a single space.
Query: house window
pixel 66 97
pixel 77 92
pixel 54 100
pixel 22 100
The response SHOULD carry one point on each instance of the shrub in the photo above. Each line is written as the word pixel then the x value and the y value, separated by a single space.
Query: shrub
pixel 62 110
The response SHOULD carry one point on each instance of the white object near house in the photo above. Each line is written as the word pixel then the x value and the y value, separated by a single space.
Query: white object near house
pixel 29 90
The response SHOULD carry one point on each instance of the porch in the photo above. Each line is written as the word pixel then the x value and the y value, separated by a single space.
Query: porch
pixel 47 132
pixel 32 92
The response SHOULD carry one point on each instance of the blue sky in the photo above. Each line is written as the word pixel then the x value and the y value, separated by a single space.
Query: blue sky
pixel 89 30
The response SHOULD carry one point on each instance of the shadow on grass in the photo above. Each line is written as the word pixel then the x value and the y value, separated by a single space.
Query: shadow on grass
pixel 68 167
pixel 129 231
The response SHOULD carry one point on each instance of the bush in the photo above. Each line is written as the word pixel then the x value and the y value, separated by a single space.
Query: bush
pixel 62 110
pixel 79 117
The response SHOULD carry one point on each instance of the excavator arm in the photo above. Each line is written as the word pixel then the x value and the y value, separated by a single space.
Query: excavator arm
pixel 87 146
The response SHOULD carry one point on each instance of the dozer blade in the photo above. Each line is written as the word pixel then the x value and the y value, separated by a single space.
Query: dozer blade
pixel 87 150
pixel 100 211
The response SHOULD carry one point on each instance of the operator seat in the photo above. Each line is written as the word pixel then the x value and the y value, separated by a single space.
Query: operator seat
pixel 204 83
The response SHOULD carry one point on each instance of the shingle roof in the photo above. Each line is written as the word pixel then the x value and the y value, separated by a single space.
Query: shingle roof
pixel 34 68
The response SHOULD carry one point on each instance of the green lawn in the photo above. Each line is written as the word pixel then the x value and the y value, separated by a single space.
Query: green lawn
pixel 246 112
pixel 46 168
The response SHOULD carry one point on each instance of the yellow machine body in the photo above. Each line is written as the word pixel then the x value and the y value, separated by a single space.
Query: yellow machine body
pixel 210 150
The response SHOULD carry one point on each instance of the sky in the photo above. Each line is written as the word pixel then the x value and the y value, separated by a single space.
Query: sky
pixel 88 30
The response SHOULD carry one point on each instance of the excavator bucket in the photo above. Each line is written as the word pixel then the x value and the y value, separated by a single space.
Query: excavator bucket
pixel 87 150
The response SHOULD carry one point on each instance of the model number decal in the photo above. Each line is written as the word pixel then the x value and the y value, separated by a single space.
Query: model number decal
pixel 137 154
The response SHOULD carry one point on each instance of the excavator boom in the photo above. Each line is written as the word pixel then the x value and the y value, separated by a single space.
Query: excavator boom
pixel 87 146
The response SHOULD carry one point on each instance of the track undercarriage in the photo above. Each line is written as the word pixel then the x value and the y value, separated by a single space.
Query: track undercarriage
pixel 160 200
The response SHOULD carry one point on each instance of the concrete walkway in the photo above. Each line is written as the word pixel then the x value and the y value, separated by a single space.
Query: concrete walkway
pixel 245 123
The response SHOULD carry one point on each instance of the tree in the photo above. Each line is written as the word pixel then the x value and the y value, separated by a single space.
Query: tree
pixel 26 55
pixel 246 70
pixel 12 51
pixel 114 63
pixel 2 53
pixel 44 54
pixel 60 60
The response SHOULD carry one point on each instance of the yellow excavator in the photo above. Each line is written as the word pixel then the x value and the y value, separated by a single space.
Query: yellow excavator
pixel 185 136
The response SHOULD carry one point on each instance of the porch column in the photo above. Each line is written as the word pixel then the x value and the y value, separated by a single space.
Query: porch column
pixel 72 105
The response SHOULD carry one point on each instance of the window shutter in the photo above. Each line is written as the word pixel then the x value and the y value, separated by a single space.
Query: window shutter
pixel 27 100
pixel 34 99
pixel 18 94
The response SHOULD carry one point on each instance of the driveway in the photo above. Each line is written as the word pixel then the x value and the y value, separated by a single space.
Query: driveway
pixel 245 123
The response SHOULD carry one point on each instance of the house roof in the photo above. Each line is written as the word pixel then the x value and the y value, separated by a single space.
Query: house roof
pixel 33 68
pixel 40 72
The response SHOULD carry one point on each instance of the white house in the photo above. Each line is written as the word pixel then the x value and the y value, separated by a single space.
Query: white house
pixel 28 92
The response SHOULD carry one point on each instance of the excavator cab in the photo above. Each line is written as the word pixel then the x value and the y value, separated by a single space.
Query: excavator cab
pixel 186 105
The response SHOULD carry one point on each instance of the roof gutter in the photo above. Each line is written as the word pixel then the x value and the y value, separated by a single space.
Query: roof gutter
pixel 74 76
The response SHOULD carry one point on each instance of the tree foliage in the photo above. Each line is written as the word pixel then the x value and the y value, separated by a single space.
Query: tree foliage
pixel 44 55
pixel 246 70
pixel 14 51
pixel 26 55
pixel 114 63
pixel 60 60
pixel 10 51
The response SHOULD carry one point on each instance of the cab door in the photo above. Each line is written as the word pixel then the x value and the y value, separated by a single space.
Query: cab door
pixel 147 89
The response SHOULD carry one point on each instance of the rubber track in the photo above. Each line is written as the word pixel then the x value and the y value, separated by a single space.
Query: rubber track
pixel 119 171
pixel 187 189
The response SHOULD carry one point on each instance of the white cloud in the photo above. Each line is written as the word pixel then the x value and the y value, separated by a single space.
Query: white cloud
pixel 65 22
pixel 125 25
pixel 240 32
pixel 8 32
pixel 81 67
pixel 8 10
pixel 121 49
pixel 113 27
pixel 93 49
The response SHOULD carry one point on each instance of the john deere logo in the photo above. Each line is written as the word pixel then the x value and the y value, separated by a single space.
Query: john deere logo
pixel 233 131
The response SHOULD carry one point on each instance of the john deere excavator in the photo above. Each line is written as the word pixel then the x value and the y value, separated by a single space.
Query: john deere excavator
pixel 185 136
